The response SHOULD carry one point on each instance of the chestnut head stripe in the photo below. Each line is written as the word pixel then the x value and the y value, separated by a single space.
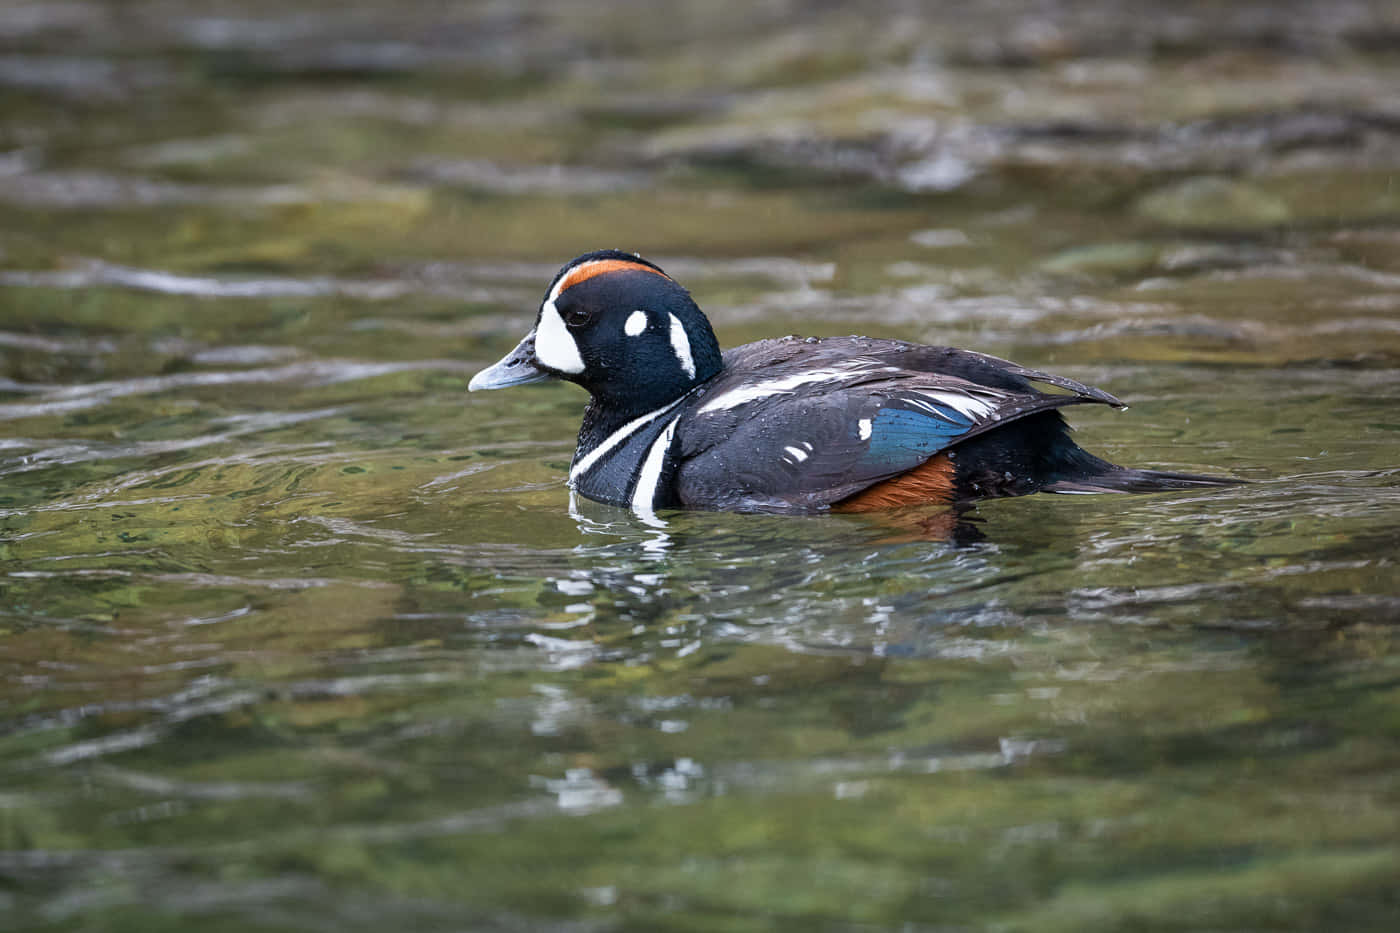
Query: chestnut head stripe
pixel 585 271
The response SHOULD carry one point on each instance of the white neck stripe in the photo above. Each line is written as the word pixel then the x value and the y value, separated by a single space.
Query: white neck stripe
pixel 617 437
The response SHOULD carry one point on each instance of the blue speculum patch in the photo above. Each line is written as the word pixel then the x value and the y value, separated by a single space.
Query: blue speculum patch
pixel 896 433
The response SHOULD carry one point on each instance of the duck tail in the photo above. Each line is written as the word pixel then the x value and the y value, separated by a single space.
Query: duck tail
pixel 1124 479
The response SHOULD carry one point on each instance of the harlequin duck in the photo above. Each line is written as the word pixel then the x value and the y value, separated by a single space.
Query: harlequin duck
pixel 843 423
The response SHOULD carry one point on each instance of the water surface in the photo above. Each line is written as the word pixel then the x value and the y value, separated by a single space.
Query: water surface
pixel 295 634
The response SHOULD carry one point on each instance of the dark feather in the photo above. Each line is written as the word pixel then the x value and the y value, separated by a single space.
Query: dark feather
pixel 768 433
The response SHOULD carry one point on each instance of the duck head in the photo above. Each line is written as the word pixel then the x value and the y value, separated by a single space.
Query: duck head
pixel 618 326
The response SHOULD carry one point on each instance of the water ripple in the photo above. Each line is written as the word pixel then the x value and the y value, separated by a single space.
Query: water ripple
pixel 80 190
pixel 43 454
pixel 69 398
pixel 94 273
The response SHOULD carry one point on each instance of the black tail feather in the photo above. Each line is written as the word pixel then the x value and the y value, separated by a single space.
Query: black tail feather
pixel 1036 454
pixel 1124 479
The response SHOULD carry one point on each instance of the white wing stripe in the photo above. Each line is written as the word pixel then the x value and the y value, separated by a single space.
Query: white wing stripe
pixel 745 394
pixel 961 402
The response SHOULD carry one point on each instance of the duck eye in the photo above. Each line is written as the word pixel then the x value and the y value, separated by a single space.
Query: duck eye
pixel 576 315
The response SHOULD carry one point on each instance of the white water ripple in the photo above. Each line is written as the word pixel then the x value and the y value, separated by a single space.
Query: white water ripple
pixel 63 399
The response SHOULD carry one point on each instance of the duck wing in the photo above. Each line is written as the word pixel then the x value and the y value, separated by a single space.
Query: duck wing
pixel 783 431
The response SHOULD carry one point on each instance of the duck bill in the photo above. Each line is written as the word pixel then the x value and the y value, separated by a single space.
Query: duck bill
pixel 516 369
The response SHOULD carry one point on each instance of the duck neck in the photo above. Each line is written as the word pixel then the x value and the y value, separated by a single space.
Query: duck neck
pixel 613 447
pixel 605 421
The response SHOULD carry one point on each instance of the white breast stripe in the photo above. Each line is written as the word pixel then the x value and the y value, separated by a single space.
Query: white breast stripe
pixel 644 497
pixel 636 323
pixel 681 344
pixel 581 467
pixel 736 397
pixel 554 345
pixel 797 454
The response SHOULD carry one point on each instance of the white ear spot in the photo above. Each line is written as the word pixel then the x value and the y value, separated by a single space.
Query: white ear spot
pixel 554 345
pixel 865 428
pixel 681 344
pixel 636 323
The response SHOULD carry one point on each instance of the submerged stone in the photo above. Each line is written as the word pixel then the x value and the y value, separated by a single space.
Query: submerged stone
pixel 1211 201
pixel 1103 259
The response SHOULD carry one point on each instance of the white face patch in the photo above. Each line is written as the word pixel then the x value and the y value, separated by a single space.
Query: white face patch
pixel 636 323
pixel 681 344
pixel 554 345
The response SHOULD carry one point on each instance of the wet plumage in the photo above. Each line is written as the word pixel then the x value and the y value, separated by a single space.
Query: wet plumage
pixel 792 424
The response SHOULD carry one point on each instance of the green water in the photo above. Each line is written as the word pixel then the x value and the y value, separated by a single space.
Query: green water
pixel 295 634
